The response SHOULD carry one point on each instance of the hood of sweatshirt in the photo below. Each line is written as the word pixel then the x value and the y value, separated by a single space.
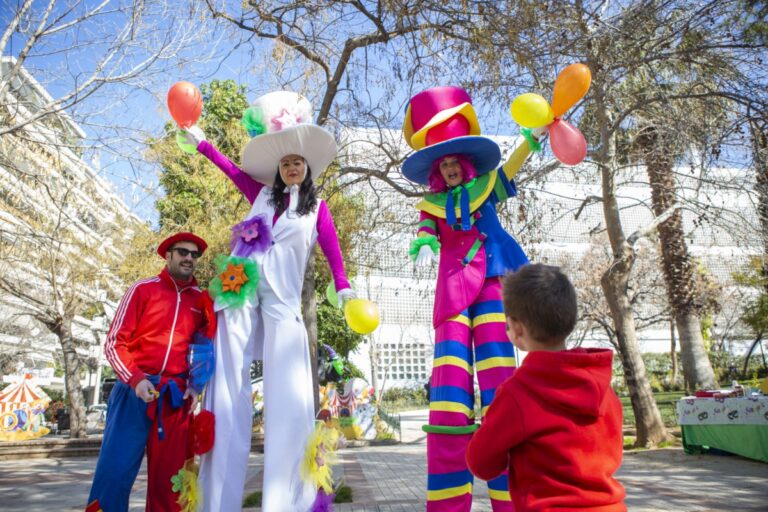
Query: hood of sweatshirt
pixel 575 380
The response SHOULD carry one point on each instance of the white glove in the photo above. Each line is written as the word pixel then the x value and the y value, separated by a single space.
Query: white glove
pixel 425 257
pixel 345 295
pixel 539 133
pixel 193 135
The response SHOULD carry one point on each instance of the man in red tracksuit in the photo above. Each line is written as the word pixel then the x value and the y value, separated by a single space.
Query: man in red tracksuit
pixel 556 423
pixel 149 407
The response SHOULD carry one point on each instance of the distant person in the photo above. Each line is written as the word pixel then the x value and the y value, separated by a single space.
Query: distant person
pixel 556 424
pixel 150 404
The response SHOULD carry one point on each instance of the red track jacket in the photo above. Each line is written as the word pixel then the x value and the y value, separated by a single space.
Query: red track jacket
pixel 153 327
pixel 556 425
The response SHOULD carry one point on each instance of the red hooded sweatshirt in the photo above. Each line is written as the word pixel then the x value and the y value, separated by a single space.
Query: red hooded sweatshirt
pixel 556 424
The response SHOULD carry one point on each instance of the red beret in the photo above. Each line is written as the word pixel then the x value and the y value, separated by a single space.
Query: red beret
pixel 181 237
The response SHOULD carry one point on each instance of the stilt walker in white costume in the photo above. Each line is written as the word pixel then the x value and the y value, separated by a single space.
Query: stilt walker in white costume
pixel 259 305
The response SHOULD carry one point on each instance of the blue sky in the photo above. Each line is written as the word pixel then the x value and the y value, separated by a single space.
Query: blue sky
pixel 141 111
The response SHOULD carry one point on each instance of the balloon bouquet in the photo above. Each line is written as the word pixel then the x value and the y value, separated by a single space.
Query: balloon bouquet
pixel 185 103
pixel 533 111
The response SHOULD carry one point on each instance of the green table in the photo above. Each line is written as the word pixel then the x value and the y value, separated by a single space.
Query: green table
pixel 735 425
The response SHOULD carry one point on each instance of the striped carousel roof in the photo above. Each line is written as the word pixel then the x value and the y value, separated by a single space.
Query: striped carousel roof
pixel 25 392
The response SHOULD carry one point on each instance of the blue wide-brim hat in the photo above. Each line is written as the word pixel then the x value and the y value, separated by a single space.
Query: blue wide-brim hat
pixel 484 153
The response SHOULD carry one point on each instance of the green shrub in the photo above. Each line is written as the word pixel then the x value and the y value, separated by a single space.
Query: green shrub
pixel 252 500
pixel 343 494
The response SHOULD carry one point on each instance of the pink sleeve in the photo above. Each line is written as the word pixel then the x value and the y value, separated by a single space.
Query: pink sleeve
pixel 427 224
pixel 247 185
pixel 329 243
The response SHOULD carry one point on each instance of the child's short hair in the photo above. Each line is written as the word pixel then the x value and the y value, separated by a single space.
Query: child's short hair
pixel 543 299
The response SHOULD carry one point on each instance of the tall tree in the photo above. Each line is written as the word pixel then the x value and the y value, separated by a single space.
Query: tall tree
pixel 53 265
pixel 621 42
pixel 677 263
pixel 758 128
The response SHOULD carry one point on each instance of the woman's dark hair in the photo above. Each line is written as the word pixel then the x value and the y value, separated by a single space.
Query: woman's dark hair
pixel 307 195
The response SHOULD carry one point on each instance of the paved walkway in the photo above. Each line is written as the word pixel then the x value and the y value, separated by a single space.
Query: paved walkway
pixel 393 478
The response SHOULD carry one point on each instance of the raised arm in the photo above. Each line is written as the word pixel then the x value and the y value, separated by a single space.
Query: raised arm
pixel 517 158
pixel 247 185
pixel 329 243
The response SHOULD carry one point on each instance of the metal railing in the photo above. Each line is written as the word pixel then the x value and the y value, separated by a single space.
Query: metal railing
pixel 667 409
pixel 393 420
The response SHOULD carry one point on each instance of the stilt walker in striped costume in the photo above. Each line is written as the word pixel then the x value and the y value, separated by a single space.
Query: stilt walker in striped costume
pixel 458 221
pixel 148 345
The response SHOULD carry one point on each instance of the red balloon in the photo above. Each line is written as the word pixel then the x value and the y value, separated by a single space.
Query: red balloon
pixel 567 142
pixel 185 103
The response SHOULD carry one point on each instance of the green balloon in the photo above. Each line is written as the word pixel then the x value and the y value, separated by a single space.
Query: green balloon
pixel 181 141
pixel 330 294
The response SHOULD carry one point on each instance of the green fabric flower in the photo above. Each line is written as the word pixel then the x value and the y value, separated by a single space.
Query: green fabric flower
pixel 178 480
pixel 253 121
pixel 246 291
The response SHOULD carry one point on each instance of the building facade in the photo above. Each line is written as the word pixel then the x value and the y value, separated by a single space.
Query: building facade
pixel 53 201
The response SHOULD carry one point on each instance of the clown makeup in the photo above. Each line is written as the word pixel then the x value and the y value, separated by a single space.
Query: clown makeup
pixel 451 171
pixel 292 169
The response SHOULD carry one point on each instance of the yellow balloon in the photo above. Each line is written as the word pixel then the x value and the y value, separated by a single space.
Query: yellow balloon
pixel 362 315
pixel 531 111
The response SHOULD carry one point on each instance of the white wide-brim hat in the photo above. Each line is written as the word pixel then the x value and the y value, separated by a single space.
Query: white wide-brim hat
pixel 282 122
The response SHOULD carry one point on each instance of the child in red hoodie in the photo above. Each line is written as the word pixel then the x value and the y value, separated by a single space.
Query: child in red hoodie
pixel 556 423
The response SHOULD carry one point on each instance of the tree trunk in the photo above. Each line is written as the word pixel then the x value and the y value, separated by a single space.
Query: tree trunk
pixel 72 365
pixel 679 275
pixel 309 312
pixel 673 350
pixel 614 282
pixel 759 131
pixel 373 359
pixel 650 427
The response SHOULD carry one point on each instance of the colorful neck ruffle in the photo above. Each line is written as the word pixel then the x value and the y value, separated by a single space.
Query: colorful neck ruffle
pixel 237 281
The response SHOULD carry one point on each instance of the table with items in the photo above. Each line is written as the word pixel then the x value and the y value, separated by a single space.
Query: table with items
pixel 736 425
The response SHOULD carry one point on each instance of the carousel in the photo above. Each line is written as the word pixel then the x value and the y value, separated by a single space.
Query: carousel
pixel 21 410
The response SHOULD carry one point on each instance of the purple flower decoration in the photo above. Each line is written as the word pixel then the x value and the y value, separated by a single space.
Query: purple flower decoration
pixel 323 502
pixel 250 236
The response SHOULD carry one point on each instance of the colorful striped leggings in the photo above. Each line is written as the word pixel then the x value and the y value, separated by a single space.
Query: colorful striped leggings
pixel 452 398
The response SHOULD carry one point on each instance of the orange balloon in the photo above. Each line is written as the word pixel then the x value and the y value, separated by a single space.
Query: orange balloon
pixel 185 103
pixel 571 85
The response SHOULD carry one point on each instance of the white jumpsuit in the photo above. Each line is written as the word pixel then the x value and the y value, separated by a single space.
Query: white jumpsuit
pixel 272 330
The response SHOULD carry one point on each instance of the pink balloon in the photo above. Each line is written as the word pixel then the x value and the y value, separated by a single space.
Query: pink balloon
pixel 567 142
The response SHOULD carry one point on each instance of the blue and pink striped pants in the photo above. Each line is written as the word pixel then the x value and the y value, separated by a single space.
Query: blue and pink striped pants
pixel 475 337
